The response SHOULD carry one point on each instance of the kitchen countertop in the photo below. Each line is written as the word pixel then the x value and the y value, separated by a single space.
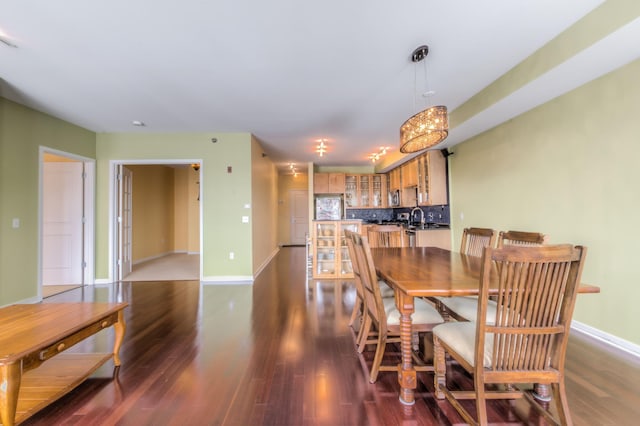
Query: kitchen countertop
pixel 408 227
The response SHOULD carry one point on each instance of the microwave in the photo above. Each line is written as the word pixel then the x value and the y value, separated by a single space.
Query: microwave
pixel 394 198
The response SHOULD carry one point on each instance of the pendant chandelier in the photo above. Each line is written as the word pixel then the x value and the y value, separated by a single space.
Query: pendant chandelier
pixel 428 127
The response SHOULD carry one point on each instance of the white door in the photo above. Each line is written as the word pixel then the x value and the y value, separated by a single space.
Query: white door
pixel 62 227
pixel 299 204
pixel 125 188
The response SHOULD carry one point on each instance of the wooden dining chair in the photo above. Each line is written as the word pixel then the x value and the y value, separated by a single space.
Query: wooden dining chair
pixel 474 240
pixel 465 308
pixel 382 322
pixel 386 237
pixel 358 306
pixel 527 340
pixel 520 238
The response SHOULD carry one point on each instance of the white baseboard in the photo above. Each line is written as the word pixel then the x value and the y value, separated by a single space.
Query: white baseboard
pixel 146 259
pixel 27 301
pixel 227 279
pixel 102 281
pixel 266 262
pixel 607 338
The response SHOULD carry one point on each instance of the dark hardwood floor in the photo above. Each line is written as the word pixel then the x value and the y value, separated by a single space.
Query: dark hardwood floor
pixel 280 353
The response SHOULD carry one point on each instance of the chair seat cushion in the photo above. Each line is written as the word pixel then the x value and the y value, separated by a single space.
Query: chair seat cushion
pixel 424 313
pixel 461 338
pixel 467 307
pixel 385 290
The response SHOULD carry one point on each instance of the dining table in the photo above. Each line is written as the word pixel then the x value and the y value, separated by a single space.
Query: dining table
pixel 429 272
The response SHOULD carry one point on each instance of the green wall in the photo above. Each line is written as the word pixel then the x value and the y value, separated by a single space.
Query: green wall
pixel 22 132
pixel 569 169
pixel 264 223
pixel 224 194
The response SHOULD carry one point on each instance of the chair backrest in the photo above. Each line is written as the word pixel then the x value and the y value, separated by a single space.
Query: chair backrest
pixel 386 237
pixel 475 239
pixel 369 279
pixel 519 238
pixel 537 294
pixel 355 266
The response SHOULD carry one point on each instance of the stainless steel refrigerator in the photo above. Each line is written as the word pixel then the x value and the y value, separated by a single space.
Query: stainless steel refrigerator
pixel 329 207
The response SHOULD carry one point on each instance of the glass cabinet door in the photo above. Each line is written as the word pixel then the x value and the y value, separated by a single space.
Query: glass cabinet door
pixel 351 191
pixel 325 248
pixel 345 260
pixel 364 191
pixel 376 191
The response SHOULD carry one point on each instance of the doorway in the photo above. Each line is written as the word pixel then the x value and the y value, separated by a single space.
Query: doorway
pixel 156 220
pixel 66 221
pixel 299 216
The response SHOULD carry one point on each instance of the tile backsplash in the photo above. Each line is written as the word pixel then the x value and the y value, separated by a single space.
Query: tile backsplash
pixel 432 214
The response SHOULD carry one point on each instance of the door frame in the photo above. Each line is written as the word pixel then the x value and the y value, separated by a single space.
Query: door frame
pixel 88 242
pixel 114 249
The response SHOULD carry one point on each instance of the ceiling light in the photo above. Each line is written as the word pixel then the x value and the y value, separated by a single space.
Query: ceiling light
pixel 321 149
pixel 428 127
pixel 138 123
pixel 376 155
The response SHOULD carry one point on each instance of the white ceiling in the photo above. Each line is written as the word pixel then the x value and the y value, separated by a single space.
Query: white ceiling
pixel 288 71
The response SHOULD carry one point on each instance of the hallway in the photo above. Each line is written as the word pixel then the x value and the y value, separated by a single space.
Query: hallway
pixel 172 267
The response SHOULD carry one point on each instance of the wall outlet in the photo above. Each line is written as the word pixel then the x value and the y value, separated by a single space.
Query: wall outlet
pixel 231 255
pixel 245 219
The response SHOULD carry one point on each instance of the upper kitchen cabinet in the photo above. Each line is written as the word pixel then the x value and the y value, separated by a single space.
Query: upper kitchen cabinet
pixel 394 179
pixel 432 179
pixel 328 183
pixel 409 175
pixel 366 191
pixel 409 171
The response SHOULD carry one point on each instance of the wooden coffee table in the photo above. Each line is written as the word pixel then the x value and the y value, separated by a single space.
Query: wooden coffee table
pixel 34 371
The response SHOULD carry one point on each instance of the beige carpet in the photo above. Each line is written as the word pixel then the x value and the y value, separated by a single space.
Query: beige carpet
pixel 173 267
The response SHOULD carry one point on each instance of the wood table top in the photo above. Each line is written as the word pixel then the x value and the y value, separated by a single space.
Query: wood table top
pixel 24 327
pixel 432 271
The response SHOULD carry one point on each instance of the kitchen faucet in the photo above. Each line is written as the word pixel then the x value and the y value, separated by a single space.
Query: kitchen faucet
pixel 413 217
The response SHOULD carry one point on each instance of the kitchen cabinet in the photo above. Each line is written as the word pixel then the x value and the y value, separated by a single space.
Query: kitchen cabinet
pixel 328 183
pixel 366 191
pixel 409 176
pixel 409 171
pixel 394 179
pixel 432 179
pixel 330 253
pixel 433 238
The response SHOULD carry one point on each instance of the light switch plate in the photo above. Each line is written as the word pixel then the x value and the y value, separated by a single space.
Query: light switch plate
pixel 245 219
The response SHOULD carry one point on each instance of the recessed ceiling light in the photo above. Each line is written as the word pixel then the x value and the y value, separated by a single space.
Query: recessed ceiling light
pixel 138 123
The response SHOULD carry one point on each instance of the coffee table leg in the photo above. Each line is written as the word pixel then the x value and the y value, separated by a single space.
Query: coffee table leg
pixel 406 372
pixel 120 328
pixel 10 377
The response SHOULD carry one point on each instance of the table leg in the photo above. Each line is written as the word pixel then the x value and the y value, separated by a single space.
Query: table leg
pixel 10 377
pixel 406 372
pixel 542 392
pixel 120 328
